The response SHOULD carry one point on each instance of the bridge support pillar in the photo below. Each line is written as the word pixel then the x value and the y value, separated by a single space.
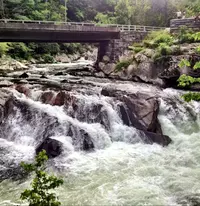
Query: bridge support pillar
pixel 110 52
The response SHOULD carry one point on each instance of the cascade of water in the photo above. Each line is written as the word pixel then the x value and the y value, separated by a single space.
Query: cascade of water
pixel 116 172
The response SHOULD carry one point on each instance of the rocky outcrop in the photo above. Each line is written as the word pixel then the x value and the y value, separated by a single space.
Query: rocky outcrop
pixel 9 65
pixel 140 111
pixel 5 104
pixel 52 147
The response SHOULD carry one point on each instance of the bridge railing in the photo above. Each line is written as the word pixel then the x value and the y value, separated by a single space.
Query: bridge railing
pixel 121 27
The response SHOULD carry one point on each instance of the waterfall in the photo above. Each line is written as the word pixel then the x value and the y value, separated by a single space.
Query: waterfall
pixel 120 169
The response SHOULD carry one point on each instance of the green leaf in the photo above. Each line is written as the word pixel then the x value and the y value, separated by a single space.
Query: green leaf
pixel 196 66
pixel 184 62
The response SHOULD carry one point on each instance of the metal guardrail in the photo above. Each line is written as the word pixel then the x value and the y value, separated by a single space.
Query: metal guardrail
pixel 121 27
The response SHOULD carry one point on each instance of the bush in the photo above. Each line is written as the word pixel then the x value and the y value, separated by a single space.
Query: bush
pixel 71 48
pixel 164 49
pixel 46 48
pixel 188 97
pixel 48 58
pixel 39 194
pixel 186 36
pixel 3 49
pixel 122 64
pixel 156 37
pixel 19 51
pixel 186 81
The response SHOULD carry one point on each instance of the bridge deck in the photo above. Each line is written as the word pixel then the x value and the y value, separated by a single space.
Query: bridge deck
pixel 51 32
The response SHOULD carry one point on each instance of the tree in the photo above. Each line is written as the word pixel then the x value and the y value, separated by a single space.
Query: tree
pixel 39 194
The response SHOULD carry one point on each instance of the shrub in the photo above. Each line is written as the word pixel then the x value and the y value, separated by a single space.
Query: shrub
pixel 46 48
pixel 186 36
pixel 19 51
pixel 39 194
pixel 48 58
pixel 186 81
pixel 71 48
pixel 188 97
pixel 164 49
pixel 122 64
pixel 3 49
pixel 156 37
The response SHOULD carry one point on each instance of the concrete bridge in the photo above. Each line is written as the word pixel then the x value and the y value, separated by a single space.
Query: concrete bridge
pixel 113 39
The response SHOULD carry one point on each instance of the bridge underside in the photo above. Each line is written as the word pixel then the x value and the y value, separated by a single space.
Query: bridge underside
pixel 67 37
pixel 55 33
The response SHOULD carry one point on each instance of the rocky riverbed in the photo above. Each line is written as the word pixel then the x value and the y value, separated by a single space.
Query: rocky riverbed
pixel 108 136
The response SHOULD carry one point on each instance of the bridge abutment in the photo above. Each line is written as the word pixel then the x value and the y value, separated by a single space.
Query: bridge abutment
pixel 110 52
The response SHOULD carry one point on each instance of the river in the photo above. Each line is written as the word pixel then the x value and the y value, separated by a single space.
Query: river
pixel 121 170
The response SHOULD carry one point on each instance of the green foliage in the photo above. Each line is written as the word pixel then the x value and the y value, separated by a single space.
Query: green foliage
pixel 42 183
pixel 71 48
pixel 3 49
pixel 137 49
pixel 185 36
pixel 196 36
pixel 46 48
pixel 188 97
pixel 164 49
pixel 155 38
pixel 186 81
pixel 123 65
pixel 198 50
pixel 19 51
pixel 184 62
pixel 196 66
pixel 48 58
pixel 105 18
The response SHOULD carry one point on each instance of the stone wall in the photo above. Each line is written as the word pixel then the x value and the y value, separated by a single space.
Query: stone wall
pixel 117 48
pixel 191 23
pixel 110 52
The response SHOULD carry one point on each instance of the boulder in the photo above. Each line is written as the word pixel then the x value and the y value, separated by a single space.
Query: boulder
pixel 140 57
pixel 47 97
pixel 106 59
pixel 52 147
pixel 140 110
pixel 146 71
pixel 60 99
pixel 109 68
pixel 163 140
pixel 24 75
pixel 5 103
pixel 23 88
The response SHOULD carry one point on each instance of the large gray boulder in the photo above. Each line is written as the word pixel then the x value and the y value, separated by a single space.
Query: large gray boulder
pixel 140 111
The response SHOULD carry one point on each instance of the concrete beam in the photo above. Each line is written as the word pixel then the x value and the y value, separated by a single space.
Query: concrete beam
pixel 28 32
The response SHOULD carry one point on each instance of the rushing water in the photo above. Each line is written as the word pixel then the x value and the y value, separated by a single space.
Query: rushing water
pixel 122 170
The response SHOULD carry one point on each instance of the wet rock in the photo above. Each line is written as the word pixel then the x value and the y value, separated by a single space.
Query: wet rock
pixel 24 75
pixel 60 99
pixel 58 73
pixel 87 141
pixel 5 104
pixel 44 77
pixel 22 88
pixel 47 97
pixel 157 138
pixel 99 74
pixel 52 147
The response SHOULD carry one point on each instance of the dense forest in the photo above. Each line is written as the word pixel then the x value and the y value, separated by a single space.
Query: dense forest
pixel 142 12
pixel 145 12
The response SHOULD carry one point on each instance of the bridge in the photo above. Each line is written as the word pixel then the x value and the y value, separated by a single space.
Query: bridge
pixel 113 39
